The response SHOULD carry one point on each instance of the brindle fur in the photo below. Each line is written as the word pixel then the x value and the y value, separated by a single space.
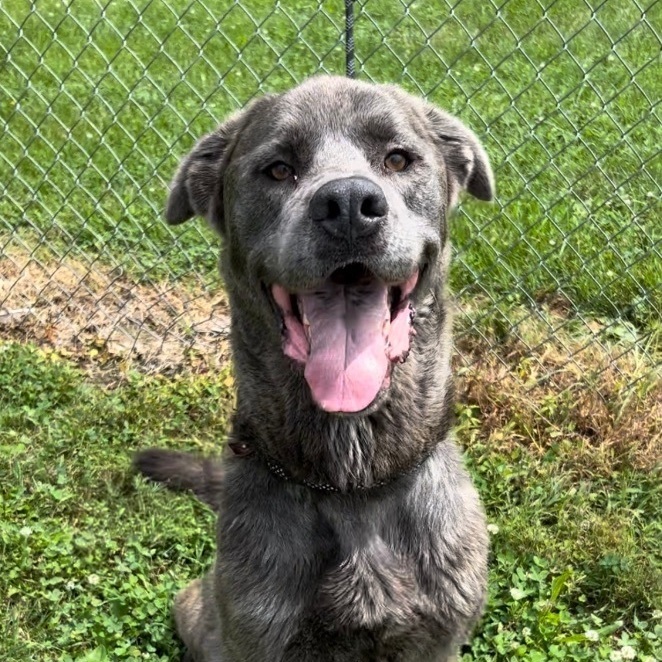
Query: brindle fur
pixel 390 574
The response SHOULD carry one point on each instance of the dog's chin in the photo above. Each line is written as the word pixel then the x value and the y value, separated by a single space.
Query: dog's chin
pixel 347 334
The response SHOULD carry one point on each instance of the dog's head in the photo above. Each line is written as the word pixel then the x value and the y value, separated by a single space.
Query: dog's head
pixel 332 201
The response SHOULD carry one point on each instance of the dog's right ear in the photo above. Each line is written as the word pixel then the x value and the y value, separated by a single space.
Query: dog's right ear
pixel 197 188
pixel 198 177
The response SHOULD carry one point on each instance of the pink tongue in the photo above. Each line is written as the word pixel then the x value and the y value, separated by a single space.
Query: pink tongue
pixel 347 364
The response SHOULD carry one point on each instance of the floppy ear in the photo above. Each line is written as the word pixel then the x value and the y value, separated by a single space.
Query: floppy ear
pixel 197 189
pixel 197 178
pixel 465 158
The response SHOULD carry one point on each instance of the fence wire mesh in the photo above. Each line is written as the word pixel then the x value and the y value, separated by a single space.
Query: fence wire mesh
pixel 100 99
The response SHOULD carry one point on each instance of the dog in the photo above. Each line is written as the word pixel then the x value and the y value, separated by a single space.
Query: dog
pixel 348 528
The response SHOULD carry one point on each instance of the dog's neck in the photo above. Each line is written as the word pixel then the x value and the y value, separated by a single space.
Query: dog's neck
pixel 275 412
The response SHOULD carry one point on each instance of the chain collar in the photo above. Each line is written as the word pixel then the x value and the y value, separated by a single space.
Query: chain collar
pixel 278 471
pixel 244 449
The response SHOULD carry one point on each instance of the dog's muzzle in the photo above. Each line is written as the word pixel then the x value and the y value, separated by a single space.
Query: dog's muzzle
pixel 347 332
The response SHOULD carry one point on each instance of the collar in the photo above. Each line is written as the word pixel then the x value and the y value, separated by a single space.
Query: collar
pixel 245 449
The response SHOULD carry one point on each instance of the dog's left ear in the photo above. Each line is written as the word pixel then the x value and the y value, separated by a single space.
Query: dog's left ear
pixel 465 158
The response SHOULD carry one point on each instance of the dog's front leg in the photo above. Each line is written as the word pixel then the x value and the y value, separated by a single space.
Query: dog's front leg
pixel 198 622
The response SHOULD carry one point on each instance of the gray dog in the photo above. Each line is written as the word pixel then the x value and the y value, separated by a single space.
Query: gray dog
pixel 348 527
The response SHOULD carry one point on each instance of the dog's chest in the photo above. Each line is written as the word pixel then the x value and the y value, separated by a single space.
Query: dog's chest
pixel 339 566
pixel 371 587
pixel 303 574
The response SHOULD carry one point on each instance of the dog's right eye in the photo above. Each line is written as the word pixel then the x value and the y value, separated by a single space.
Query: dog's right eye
pixel 279 171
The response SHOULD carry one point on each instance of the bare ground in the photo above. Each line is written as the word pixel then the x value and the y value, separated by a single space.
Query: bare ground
pixel 99 317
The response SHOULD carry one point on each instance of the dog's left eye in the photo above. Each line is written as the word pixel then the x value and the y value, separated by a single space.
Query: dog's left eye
pixel 397 161
pixel 280 171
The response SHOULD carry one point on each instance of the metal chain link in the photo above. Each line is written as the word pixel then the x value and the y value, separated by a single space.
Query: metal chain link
pixel 349 39
pixel 99 101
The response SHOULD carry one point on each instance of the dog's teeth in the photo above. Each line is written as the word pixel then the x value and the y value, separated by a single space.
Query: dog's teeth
pixel 306 323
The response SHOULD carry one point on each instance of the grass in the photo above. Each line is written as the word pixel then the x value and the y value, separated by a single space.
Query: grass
pixel 88 554
pixel 92 556
pixel 600 402
pixel 100 104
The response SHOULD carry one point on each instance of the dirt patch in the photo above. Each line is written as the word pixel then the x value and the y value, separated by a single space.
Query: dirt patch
pixel 98 316
pixel 573 387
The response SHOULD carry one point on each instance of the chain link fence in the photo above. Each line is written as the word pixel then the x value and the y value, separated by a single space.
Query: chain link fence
pixel 558 282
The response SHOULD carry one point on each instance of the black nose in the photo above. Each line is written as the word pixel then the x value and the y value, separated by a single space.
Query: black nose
pixel 349 208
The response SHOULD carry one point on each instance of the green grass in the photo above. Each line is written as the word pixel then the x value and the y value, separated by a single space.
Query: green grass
pixel 100 106
pixel 92 556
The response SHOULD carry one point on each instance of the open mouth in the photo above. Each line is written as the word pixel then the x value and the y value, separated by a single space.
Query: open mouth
pixel 347 332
